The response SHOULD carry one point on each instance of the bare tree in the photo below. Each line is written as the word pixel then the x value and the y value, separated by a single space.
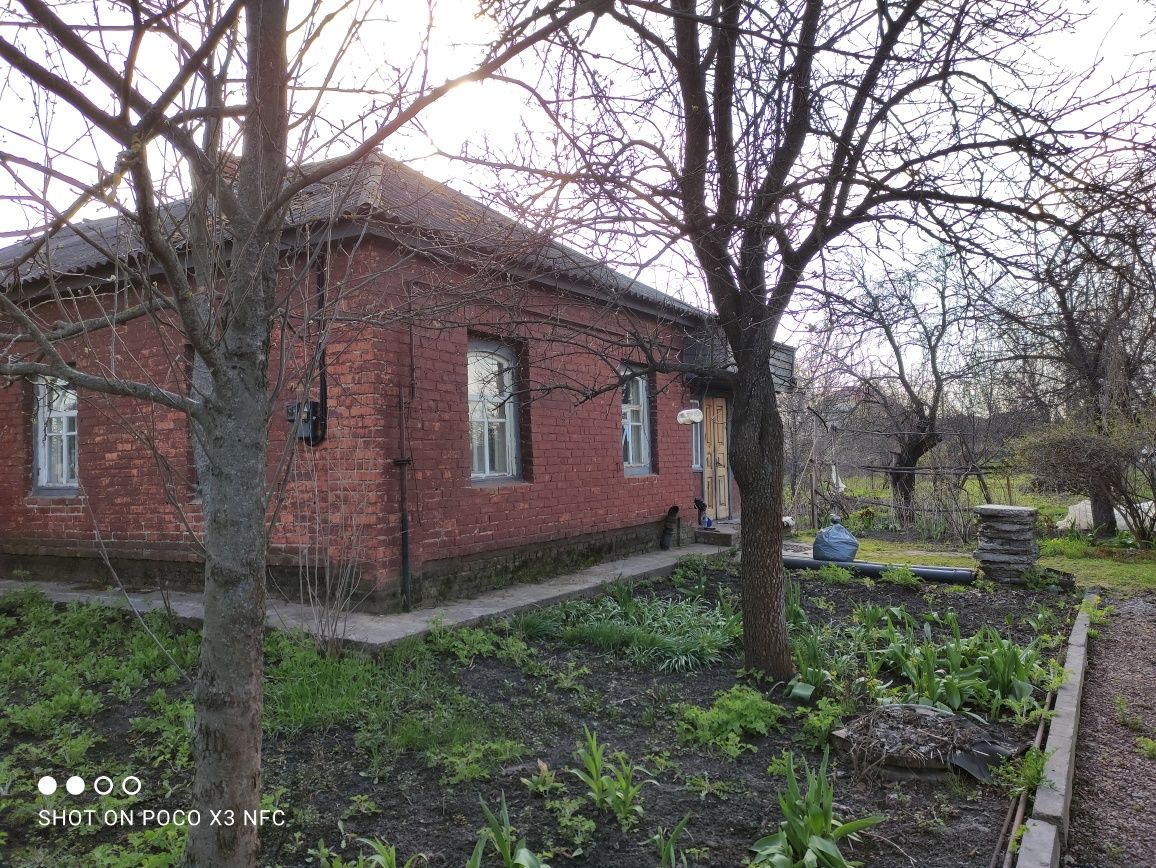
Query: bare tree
pixel 1080 328
pixel 756 138
pixel 906 339
pixel 170 90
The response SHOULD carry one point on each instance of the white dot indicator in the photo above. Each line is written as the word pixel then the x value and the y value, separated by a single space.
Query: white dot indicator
pixel 75 785
pixel 47 785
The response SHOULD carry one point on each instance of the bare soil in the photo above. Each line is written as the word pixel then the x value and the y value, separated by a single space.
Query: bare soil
pixel 944 824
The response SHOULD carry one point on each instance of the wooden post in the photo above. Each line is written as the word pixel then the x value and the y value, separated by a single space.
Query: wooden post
pixel 814 486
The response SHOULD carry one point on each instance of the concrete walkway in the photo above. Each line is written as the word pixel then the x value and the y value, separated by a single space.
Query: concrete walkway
pixel 381 630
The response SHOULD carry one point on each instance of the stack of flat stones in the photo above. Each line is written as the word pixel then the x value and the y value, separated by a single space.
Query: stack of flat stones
pixel 1007 541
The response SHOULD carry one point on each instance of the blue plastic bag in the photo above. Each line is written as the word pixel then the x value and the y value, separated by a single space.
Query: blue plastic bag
pixel 835 543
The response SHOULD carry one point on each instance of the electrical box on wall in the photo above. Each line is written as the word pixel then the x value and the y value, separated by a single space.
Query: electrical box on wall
pixel 307 421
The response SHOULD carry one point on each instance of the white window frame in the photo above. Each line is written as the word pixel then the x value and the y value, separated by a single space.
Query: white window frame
pixel 481 412
pixel 46 442
pixel 697 445
pixel 635 398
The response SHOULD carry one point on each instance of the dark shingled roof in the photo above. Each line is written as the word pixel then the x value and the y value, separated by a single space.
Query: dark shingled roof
pixel 707 347
pixel 401 203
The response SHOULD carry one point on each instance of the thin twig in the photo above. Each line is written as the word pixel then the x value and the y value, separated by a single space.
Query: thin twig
pixel 128 599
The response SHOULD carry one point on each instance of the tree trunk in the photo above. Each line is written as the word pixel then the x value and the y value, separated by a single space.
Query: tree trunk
pixel 1103 514
pixel 227 695
pixel 903 492
pixel 757 461
pixel 903 477
pixel 233 427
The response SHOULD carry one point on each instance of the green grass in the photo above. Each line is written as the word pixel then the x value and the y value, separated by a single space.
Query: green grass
pixel 1051 505
pixel 1072 548
pixel 919 553
pixel 1117 571
pixel 1121 573
pixel 306 691
pixel 664 634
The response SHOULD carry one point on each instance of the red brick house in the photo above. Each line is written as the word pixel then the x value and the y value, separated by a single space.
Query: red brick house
pixel 453 404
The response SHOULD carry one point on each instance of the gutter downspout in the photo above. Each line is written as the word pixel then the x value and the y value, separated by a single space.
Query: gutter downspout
pixel 322 422
pixel 403 463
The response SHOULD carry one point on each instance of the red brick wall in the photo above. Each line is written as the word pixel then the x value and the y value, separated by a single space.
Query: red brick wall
pixel 347 489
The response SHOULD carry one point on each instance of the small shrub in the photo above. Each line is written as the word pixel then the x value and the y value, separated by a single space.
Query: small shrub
pixel 810 831
pixel 781 764
pixel 544 782
pixel 1147 747
pixel 820 722
pixel 901 576
pixel 1025 775
pixel 475 760
pixel 832 574
pixel 735 713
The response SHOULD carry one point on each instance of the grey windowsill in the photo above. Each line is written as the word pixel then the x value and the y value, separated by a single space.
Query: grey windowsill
pixel 497 481
pixel 60 493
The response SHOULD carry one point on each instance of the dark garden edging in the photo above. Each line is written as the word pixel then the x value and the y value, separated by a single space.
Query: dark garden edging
pixel 1047 830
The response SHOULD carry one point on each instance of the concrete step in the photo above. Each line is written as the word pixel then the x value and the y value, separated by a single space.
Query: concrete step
pixel 719 535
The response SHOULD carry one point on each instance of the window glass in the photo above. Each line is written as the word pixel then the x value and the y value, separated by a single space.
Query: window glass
pixel 55 435
pixel 635 426
pixel 493 411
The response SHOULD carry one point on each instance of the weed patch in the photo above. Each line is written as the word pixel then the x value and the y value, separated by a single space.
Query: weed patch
pixel 664 634
pixel 475 760
pixel 736 713
pixel 1023 775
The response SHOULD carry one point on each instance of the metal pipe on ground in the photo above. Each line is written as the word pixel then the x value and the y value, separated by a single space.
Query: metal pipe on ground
pixel 946 575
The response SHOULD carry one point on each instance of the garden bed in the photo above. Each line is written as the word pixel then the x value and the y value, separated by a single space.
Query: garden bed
pixel 408 747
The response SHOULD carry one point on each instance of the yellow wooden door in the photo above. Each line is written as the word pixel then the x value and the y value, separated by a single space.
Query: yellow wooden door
pixel 716 485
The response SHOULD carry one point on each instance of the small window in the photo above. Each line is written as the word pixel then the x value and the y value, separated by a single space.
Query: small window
pixel 635 426
pixel 493 412
pixel 696 444
pixel 55 435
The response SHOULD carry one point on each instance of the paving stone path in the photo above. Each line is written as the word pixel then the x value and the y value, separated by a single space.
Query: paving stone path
pixel 380 630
